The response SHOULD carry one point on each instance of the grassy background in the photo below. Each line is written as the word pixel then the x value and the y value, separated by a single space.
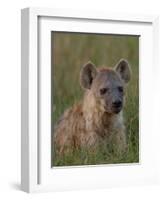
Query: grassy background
pixel 70 51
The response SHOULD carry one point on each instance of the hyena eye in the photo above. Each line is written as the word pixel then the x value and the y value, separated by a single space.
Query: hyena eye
pixel 120 89
pixel 103 91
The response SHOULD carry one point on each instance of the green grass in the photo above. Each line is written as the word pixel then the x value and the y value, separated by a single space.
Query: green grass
pixel 69 53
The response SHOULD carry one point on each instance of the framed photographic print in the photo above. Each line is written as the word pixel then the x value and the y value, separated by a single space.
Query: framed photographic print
pixel 88 117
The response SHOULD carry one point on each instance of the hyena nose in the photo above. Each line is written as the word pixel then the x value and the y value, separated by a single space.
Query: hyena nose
pixel 117 103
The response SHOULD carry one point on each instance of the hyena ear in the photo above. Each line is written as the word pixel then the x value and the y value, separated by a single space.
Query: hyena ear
pixel 87 74
pixel 124 70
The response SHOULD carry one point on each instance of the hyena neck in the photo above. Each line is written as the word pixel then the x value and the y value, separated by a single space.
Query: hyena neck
pixel 96 118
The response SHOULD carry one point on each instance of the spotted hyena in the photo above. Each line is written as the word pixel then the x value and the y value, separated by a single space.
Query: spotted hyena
pixel 98 117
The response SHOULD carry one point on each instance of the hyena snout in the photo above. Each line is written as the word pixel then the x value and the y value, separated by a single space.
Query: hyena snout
pixel 113 102
pixel 113 106
pixel 117 105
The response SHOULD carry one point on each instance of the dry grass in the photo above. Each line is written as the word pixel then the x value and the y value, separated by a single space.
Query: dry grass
pixel 70 52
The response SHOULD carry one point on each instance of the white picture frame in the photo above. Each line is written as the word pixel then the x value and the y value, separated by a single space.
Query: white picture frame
pixel 36 171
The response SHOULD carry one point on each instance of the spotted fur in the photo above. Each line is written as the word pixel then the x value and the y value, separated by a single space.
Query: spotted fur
pixel 88 123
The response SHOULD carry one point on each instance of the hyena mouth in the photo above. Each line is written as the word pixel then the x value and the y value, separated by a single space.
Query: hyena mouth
pixel 116 110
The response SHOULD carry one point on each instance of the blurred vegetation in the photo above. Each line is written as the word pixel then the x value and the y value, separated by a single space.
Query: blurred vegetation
pixel 70 51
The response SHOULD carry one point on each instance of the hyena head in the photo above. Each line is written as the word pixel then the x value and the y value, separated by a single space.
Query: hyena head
pixel 107 85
